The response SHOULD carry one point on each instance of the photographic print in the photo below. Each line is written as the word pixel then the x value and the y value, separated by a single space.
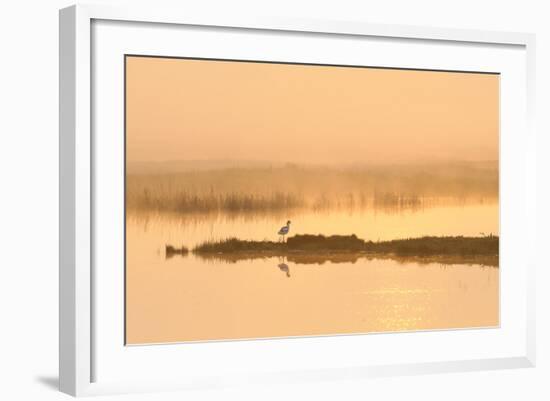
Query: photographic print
pixel 270 199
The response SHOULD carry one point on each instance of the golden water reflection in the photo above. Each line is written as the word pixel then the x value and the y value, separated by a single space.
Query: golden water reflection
pixel 191 298
pixel 187 298
pixel 371 224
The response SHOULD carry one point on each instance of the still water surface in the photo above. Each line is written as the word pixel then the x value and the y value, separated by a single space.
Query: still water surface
pixel 187 298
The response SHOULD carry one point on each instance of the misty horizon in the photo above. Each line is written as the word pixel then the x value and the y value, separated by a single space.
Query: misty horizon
pixel 176 165
pixel 196 109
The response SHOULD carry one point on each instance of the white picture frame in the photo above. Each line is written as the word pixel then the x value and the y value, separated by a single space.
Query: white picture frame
pixel 78 225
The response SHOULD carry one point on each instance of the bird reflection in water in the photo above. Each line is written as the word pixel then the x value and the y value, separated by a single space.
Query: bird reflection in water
pixel 284 268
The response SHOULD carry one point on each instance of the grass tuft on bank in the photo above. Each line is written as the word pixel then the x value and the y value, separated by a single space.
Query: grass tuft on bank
pixel 171 251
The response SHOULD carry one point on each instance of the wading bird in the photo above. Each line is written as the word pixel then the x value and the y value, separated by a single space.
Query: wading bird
pixel 284 230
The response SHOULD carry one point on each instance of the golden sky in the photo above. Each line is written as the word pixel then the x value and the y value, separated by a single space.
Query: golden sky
pixel 181 109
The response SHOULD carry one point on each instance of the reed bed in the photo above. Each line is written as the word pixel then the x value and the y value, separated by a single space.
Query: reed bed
pixel 256 190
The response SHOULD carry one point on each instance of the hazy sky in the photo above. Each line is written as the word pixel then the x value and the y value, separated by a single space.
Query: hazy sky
pixel 204 110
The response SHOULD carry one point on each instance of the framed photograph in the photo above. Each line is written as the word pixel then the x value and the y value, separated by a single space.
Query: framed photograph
pixel 278 200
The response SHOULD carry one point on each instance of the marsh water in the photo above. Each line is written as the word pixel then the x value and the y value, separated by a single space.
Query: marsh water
pixel 189 298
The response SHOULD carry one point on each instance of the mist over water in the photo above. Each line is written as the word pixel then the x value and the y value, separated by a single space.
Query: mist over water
pixel 188 298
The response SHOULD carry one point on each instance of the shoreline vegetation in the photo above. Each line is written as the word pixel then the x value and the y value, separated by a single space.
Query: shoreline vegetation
pixel 349 248
pixel 290 187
